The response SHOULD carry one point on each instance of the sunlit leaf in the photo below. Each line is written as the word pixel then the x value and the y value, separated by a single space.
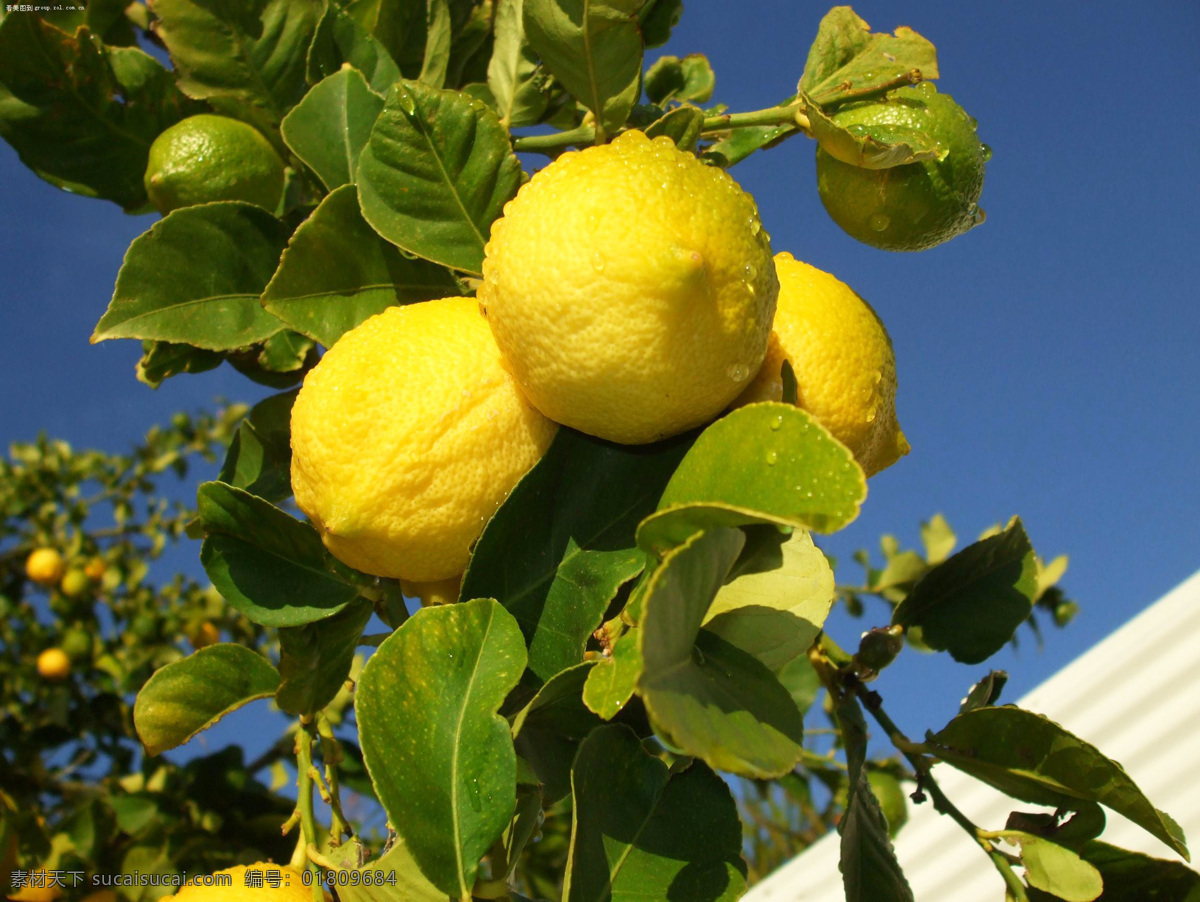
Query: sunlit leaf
pixel 329 128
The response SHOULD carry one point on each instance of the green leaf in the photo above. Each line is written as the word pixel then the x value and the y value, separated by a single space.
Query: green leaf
pixel 315 659
pixel 682 125
pixel 870 871
pixel 512 72
pixel 259 458
pixel 736 144
pixel 548 730
pixel 762 463
pixel 847 58
pixel 337 272
pixel 1032 758
pixel 972 603
pixel 658 18
pixel 393 877
pixel 876 146
pixel 438 37
pixel 436 173
pixel 1134 877
pixel 161 360
pixel 705 696
pixel 329 128
pixel 247 59
pixel 594 47
pixel 440 757
pixel 984 693
pixel 269 566
pixel 340 39
pixel 611 683
pixel 576 511
pixel 188 696
pixel 195 278
pixel 690 79
pixel 1055 869
pixel 780 593
pixel 643 831
pixel 399 25
pixel 82 115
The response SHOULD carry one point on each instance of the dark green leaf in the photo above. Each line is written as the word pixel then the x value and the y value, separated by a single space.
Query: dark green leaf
pixel 399 25
pixel 246 59
pixel 643 831
pixel 315 659
pixel 879 146
pixel 269 566
pixel 337 272
pixel 259 459
pixel 688 79
pixel 188 696
pixel 984 693
pixel 847 58
pixel 161 360
pixel 436 173
pixel 575 514
pixel 1056 869
pixel 440 757
pixel 438 37
pixel 682 125
pixel 972 603
pixel 736 144
pixel 594 47
pixel 549 729
pixel 1134 877
pixel 81 115
pixel 788 377
pixel 705 696
pixel 613 680
pixel 329 128
pixel 340 39
pixel 658 17
pixel 471 49
pixel 762 463
pixel 1032 758
pixel 195 278
pixel 512 71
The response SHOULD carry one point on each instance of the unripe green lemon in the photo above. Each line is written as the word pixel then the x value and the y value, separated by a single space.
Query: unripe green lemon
pixel 45 567
pixel 208 158
pixel 917 205
pixel 630 289
pixel 74 583
pixel 77 644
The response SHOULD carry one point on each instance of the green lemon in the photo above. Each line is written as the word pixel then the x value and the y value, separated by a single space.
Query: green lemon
pixel 208 158
pixel 917 205
pixel 77 644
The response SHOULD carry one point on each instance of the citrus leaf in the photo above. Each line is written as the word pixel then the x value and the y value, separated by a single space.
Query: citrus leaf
pixel 440 757
pixel 161 360
pixel 81 115
pixel 847 58
pixel 337 272
pixel 611 683
pixel 247 59
pixel 594 47
pixel 512 71
pixel 643 831
pixel 576 511
pixel 704 695
pixel 779 596
pixel 762 463
pixel 340 39
pixel 736 144
pixel 877 146
pixel 973 602
pixel 438 37
pixel 938 538
pixel 393 877
pixel 188 696
pixel 658 18
pixel 270 566
pixel 195 278
pixel 1031 758
pixel 259 458
pixel 1134 877
pixel 548 730
pixel 682 125
pixel 436 173
pixel 688 79
pixel 315 659
pixel 330 126
pixel 1056 869
pixel 984 693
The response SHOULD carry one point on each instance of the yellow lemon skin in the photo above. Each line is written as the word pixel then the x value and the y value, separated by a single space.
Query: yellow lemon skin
pixel 843 360
pixel 39 887
pixel 630 289
pixel 45 567
pixel 291 886
pixel 54 664
pixel 407 436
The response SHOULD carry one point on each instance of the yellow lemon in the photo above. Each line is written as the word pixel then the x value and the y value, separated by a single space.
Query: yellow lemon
pixel 45 566
pixel 205 634
pixel 630 289
pixel 843 360
pixel 253 882
pixel 407 436
pixel 40 886
pixel 53 664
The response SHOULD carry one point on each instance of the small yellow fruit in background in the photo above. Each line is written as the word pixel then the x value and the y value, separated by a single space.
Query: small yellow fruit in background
pixel 45 567
pixel 204 635
pixel 291 886
pixel 100 895
pixel 53 664
pixel 843 360
pixel 407 436
pixel 39 887
pixel 75 583
pixel 95 569
pixel 630 289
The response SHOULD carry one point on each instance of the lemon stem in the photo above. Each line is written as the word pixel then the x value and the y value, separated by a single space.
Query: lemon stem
pixel 331 755
pixel 842 94
pixel 304 800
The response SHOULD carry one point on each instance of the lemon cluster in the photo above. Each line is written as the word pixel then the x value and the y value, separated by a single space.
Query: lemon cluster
pixel 629 291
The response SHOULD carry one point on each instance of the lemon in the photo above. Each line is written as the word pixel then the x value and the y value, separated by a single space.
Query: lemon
pixel 95 569
pixel 843 360
pixel 53 664
pixel 77 644
pixel 204 635
pixel 45 566
pixel 75 583
pixel 407 436
pixel 208 158
pixel 40 886
pixel 917 205
pixel 630 289
pixel 261 875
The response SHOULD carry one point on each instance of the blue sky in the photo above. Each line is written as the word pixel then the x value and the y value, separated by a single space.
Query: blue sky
pixel 1047 360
